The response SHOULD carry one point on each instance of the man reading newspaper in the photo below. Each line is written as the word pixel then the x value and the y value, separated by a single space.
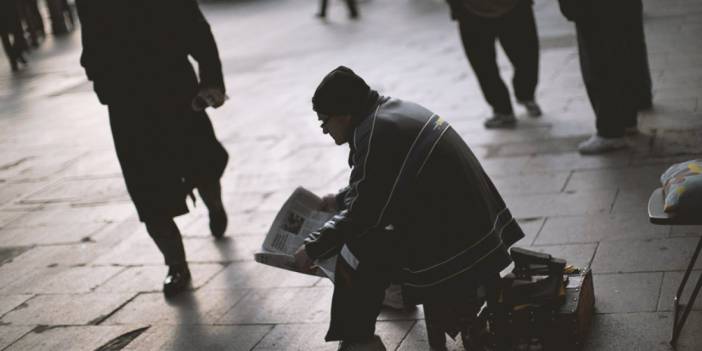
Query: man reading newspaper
pixel 418 210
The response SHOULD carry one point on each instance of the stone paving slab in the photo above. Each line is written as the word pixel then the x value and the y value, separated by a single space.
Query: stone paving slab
pixel 310 336
pixel 9 302
pixel 644 256
pixel 150 278
pixel 82 191
pixel 49 235
pixel 187 338
pixel 10 334
pixel 61 280
pixel 417 340
pixel 274 306
pixel 684 230
pixel 561 204
pixel 65 338
pixel 597 228
pixel 629 179
pixel 200 307
pixel 62 309
pixel 642 331
pixel 671 282
pixel 630 292
pixel 531 227
pixel 531 183
pixel 245 275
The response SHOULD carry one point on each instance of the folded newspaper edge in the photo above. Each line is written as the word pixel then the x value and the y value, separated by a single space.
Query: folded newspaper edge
pixel 296 219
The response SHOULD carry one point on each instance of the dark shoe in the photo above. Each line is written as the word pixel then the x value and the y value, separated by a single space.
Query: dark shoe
pixel 177 280
pixel 500 121
pixel 533 109
pixel 212 197
pixel 321 15
pixel 218 222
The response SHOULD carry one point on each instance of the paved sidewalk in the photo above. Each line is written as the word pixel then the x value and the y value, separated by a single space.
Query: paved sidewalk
pixel 77 269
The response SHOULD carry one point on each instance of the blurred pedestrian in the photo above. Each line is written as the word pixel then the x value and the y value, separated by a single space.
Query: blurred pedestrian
pixel 11 33
pixel 353 8
pixel 610 50
pixel 29 11
pixel 136 53
pixel 480 24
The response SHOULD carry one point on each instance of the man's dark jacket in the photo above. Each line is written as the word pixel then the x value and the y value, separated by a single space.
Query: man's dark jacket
pixel 136 52
pixel 453 228
pixel 136 48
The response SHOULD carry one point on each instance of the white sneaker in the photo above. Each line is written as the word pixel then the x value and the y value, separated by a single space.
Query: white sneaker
pixel 599 145
pixel 373 344
pixel 500 121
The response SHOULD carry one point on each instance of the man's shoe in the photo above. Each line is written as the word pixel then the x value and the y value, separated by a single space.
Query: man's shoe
pixel 599 145
pixel 533 109
pixel 500 121
pixel 372 344
pixel 218 222
pixel 177 280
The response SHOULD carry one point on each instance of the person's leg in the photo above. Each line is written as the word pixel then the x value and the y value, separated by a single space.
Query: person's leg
pixel 478 38
pixel 644 85
pixel 167 237
pixel 518 36
pixel 353 9
pixel 604 51
pixel 322 8
pixel 9 51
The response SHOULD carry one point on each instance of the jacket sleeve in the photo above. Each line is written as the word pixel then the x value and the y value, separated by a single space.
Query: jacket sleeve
pixel 373 180
pixel 202 47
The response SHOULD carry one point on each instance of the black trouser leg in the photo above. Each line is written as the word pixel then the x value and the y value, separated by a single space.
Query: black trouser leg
pixel 644 85
pixel 9 50
pixel 478 37
pixel 323 8
pixel 353 10
pixel 519 39
pixel 356 303
pixel 607 51
pixel 167 237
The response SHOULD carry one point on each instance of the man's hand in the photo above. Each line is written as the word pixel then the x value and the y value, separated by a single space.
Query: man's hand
pixel 303 262
pixel 208 97
pixel 328 203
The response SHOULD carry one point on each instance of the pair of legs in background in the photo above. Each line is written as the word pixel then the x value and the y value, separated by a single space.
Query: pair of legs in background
pixel 166 150
pixel 614 66
pixel 516 32
pixel 351 4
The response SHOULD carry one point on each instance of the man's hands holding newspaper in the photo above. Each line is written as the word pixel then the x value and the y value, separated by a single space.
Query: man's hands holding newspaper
pixel 304 263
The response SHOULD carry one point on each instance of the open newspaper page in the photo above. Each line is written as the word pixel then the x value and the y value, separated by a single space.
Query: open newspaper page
pixel 295 220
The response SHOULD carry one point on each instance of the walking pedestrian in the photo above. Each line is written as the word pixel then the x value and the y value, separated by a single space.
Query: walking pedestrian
pixel 136 53
pixel 480 24
pixel 610 50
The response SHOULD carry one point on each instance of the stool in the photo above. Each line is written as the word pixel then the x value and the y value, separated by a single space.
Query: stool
pixel 657 216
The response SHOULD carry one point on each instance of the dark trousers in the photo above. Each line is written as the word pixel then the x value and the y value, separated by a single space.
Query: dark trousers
pixel 609 44
pixel 358 297
pixel 645 96
pixel 353 10
pixel 516 32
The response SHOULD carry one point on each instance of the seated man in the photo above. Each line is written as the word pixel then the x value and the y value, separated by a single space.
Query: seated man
pixel 418 210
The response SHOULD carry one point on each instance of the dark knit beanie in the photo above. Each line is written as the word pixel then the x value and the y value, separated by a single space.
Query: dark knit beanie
pixel 341 92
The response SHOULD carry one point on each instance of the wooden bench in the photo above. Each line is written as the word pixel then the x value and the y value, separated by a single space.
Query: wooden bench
pixel 657 216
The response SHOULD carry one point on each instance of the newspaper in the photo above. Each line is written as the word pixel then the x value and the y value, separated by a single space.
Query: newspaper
pixel 295 220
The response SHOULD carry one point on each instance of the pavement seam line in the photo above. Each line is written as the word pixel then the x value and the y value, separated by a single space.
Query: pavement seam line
pixel 99 320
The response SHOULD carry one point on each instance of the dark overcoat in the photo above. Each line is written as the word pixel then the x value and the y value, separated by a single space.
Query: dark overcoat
pixel 136 53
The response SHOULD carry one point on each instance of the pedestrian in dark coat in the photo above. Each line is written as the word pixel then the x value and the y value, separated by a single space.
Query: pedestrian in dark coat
pixel 418 210
pixel 612 50
pixel 136 53
pixel 481 23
